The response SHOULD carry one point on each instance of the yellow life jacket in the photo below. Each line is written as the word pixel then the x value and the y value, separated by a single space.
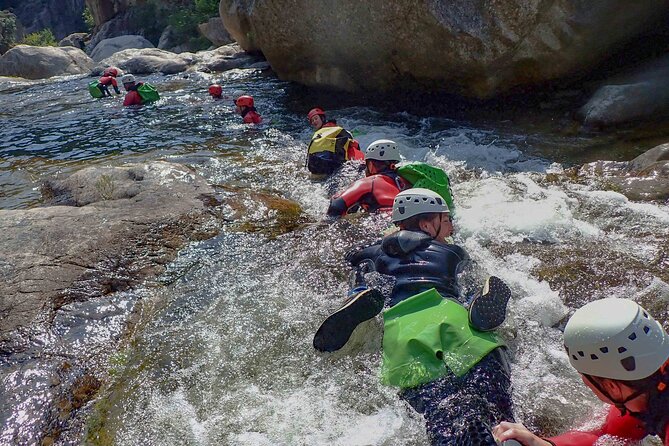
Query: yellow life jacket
pixel 331 139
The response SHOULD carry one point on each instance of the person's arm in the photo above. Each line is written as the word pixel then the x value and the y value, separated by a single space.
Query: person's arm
pixel 615 424
pixel 345 200
pixel 353 152
pixel 115 85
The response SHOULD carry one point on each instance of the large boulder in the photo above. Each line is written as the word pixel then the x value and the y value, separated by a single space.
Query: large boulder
pixel 34 62
pixel 472 48
pixel 145 61
pixel 153 60
pixel 214 31
pixel 109 47
pixel 105 229
pixel 642 95
pixel 77 40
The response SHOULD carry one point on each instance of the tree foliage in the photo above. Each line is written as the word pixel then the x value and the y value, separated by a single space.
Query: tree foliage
pixel 88 19
pixel 40 38
pixel 7 30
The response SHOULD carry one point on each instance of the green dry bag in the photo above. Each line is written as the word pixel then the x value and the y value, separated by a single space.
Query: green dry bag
pixel 148 93
pixel 94 89
pixel 426 336
pixel 428 177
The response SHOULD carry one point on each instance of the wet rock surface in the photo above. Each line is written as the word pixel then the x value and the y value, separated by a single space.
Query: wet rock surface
pixel 646 177
pixel 103 230
pixel 475 49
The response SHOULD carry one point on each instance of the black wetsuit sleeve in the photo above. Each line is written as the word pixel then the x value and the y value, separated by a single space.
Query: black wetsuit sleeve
pixel 360 254
pixel 337 207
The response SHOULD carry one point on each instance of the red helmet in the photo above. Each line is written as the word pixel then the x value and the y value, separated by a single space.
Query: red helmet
pixel 215 90
pixel 244 101
pixel 314 112
pixel 111 71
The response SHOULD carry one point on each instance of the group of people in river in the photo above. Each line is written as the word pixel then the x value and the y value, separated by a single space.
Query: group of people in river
pixel 440 348
pixel 140 93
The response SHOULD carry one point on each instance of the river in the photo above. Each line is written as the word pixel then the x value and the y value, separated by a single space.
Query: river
pixel 219 352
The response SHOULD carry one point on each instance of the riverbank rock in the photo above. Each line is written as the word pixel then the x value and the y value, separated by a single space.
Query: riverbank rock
pixel 104 229
pixel 214 31
pixel 34 62
pixel 639 96
pixel 109 47
pixel 471 48
pixel 77 40
pixel 144 61
pixel 646 177
pixel 153 60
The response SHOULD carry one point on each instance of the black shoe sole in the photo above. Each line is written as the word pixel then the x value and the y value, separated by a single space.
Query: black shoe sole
pixel 488 310
pixel 336 330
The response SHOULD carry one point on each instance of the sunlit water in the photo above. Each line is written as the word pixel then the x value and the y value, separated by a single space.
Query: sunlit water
pixel 221 352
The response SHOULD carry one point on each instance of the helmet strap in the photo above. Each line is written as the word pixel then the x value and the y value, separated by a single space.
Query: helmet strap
pixel 620 405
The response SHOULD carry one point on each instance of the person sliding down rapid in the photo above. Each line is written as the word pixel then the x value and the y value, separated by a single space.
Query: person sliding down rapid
pixel 622 354
pixel 246 109
pixel 447 364
pixel 331 145
pixel 378 189
pixel 108 78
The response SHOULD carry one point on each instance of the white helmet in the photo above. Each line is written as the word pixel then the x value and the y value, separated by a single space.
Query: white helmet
pixel 127 79
pixel 616 339
pixel 383 150
pixel 417 201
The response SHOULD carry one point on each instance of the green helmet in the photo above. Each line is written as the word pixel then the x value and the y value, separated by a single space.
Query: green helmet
pixel 617 339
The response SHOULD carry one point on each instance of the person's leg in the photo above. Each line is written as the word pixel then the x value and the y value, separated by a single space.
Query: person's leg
pixel 461 411
pixel 488 307
pixel 336 330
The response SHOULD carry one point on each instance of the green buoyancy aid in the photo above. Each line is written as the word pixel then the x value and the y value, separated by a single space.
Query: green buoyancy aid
pixel 148 93
pixel 428 177
pixel 94 89
pixel 426 336
pixel 331 139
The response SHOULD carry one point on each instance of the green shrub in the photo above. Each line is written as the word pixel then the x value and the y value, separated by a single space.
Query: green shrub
pixel 207 8
pixel 7 30
pixel 152 16
pixel 88 19
pixel 185 22
pixel 40 38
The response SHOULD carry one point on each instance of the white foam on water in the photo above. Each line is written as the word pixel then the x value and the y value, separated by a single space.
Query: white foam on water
pixel 514 208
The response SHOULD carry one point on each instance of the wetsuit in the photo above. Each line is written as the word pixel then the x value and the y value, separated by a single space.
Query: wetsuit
pixel 250 116
pixel 327 162
pixel 372 193
pixel 458 410
pixel 628 427
pixel 133 97
pixel 104 84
